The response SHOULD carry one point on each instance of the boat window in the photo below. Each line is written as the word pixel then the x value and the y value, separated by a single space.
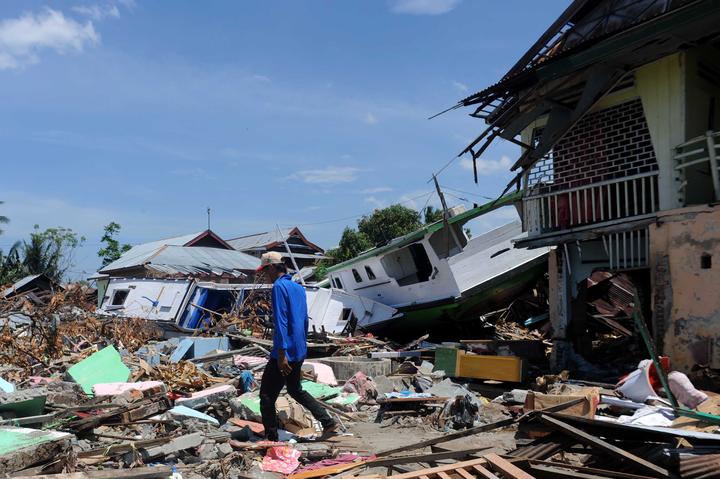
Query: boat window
pixel 338 284
pixel 356 275
pixel 446 245
pixel 369 272
pixel 119 297
pixel 408 265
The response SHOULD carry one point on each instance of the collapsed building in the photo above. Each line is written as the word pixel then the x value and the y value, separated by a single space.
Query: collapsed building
pixel 615 109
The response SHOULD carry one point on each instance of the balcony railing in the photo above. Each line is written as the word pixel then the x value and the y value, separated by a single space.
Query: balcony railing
pixel 700 152
pixel 591 204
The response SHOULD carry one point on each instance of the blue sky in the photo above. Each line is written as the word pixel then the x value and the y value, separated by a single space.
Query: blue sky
pixel 305 113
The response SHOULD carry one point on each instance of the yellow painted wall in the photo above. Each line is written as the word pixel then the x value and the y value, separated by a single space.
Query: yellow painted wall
pixel 661 85
pixel 686 297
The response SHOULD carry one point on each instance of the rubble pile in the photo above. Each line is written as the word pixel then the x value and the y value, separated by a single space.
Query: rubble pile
pixel 88 395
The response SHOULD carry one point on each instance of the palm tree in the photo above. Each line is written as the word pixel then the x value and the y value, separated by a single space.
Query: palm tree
pixel 11 267
pixel 3 219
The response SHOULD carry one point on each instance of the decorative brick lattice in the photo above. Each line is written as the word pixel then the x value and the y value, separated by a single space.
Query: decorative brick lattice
pixel 605 145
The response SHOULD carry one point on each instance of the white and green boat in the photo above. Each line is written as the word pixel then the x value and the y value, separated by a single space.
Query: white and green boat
pixel 438 277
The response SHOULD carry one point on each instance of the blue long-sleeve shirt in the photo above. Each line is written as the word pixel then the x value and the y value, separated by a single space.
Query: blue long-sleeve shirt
pixel 291 319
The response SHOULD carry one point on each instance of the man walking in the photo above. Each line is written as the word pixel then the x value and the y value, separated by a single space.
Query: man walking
pixel 289 349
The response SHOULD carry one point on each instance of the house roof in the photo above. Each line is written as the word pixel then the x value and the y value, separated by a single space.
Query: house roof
pixel 142 253
pixel 18 285
pixel 262 241
pixel 589 50
pixel 185 260
pixel 417 235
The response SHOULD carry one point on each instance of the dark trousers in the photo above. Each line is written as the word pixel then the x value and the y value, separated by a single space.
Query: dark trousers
pixel 272 383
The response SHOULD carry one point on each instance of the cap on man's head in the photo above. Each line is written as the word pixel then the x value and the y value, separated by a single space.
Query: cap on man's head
pixel 271 257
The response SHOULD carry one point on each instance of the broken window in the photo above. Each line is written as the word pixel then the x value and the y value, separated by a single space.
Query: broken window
pixel 408 265
pixel 356 275
pixel 119 297
pixel 370 273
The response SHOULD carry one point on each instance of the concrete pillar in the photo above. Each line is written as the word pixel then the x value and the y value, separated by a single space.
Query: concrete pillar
pixel 559 290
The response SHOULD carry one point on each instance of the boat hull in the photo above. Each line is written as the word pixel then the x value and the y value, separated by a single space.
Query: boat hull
pixel 448 319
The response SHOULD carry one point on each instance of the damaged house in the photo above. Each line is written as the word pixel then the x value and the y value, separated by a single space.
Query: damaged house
pixel 193 280
pixel 305 253
pixel 615 107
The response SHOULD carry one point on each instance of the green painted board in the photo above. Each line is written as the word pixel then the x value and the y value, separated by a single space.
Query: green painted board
pixel 15 438
pixel 104 366
pixel 29 407
pixel 320 391
pixel 446 360
pixel 251 401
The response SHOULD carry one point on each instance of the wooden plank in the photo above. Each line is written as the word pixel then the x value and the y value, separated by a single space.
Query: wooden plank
pixel 448 437
pixel 436 456
pixel 484 472
pixel 439 469
pixel 443 475
pixel 604 446
pixel 464 473
pixel 547 471
pixel 135 473
pixel 326 471
pixel 506 467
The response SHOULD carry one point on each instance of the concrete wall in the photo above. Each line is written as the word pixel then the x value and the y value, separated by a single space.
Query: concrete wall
pixel 686 300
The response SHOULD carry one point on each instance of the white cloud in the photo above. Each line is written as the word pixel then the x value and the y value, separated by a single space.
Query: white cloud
pixel 423 7
pixel 21 39
pixel 97 12
pixel 460 86
pixel 377 189
pixel 488 167
pixel 261 78
pixel 375 202
pixel 327 175
pixel 370 119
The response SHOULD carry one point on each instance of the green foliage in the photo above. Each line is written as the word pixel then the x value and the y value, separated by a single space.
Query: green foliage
pixel 432 214
pixel 113 249
pixel 385 224
pixel 11 267
pixel 50 252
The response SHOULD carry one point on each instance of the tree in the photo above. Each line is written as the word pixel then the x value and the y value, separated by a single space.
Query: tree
pixel 113 249
pixel 385 224
pixel 432 214
pixel 50 252
pixel 11 267
pixel 3 219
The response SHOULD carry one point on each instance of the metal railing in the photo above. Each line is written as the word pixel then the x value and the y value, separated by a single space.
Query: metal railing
pixel 697 152
pixel 591 204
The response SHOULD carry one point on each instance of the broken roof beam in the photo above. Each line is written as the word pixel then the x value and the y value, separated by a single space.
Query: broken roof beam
pixel 606 447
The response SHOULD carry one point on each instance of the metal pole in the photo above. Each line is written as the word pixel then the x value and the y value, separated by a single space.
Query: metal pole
pixel 292 257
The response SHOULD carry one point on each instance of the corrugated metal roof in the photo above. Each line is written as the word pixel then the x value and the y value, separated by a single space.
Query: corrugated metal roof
pixel 189 260
pixel 20 283
pixel 139 254
pixel 259 239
